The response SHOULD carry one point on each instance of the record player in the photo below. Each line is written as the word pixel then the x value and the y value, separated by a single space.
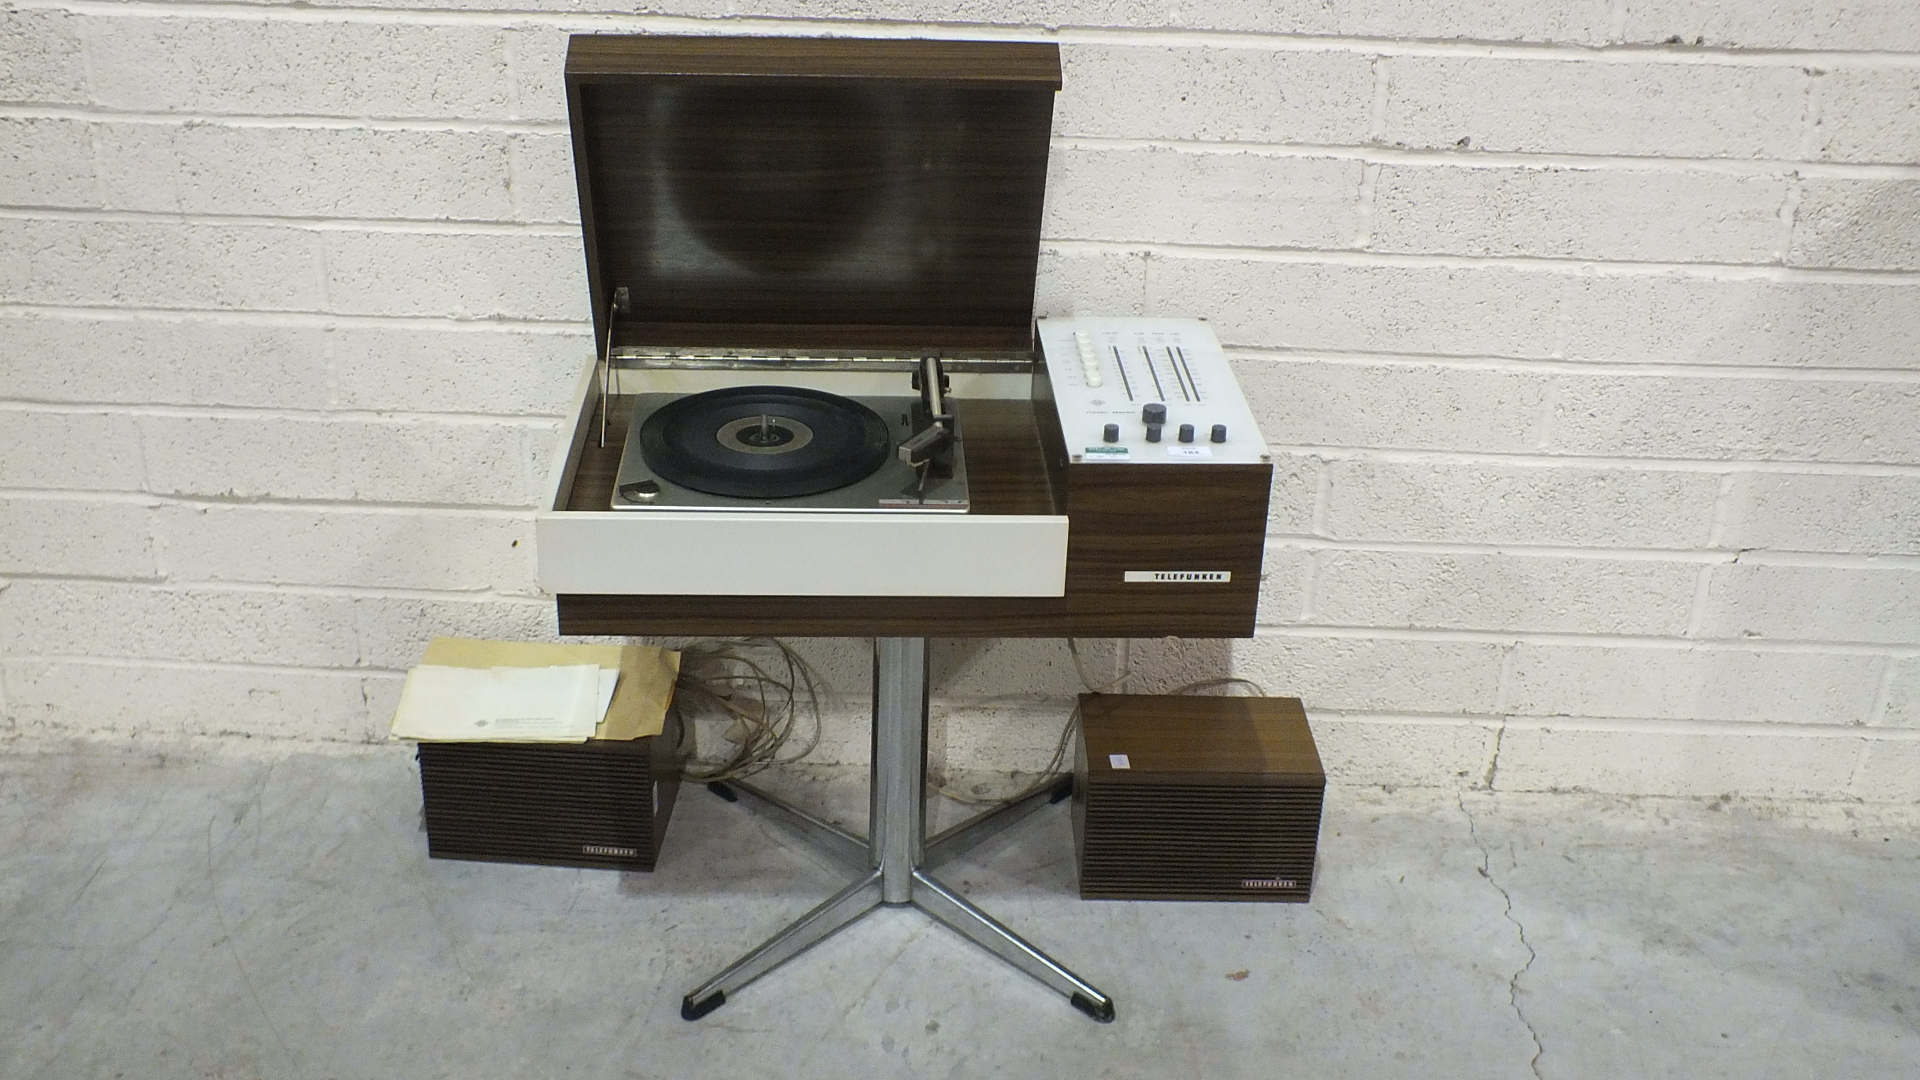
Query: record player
pixel 821 405
pixel 819 402
pixel 792 448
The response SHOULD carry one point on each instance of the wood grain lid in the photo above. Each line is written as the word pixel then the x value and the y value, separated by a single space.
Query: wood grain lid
pixel 1145 738
pixel 812 193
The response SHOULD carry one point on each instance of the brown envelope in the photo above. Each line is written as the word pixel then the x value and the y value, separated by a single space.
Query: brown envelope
pixel 640 700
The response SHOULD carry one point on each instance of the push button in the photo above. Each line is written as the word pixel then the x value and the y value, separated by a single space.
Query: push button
pixel 1110 433
pixel 1186 432
pixel 1219 433
pixel 1153 432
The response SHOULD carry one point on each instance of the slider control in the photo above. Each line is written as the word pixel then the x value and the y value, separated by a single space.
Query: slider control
pixel 1089 360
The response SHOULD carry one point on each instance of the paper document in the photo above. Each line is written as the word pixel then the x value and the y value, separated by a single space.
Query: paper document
pixel 639 707
pixel 504 704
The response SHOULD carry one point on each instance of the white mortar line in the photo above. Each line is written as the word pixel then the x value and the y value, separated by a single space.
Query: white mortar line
pixel 1503 688
pixel 1561 639
pixel 171 664
pixel 531 422
pixel 338 592
pixel 1552 365
pixel 1454 157
pixel 313 317
pixel 90 579
pixel 1363 207
pixel 1565 639
pixel 331 374
pixel 580 328
pixel 1789 210
pixel 1572 267
pixel 318 224
pixel 510 63
pixel 270 504
pixel 1654 725
pixel 1859 767
pixel 1595 461
pixel 516 165
pixel 508 18
pixel 1722 507
pixel 95 160
pixel 1812 106
pixel 323 274
pixel 1309 576
pixel 1379 67
pixel 1624 725
pixel 1697 606
pixel 1883 694
pixel 106 114
pixel 1322 496
pixel 1421 157
pixel 1284 542
pixel 156 542
pixel 1059 245
pixel 1543 424
pixel 1700 556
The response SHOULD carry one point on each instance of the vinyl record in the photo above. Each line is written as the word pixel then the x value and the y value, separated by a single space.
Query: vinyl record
pixel 764 442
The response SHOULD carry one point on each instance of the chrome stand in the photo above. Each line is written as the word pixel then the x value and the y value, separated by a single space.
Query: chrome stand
pixel 893 860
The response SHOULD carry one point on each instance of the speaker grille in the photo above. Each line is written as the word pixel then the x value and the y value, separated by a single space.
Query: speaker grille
pixel 1190 842
pixel 596 804
pixel 1196 799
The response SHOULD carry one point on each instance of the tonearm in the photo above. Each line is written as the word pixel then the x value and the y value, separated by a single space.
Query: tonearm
pixel 930 447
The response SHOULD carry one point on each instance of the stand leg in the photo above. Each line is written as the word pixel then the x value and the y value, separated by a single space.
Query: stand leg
pixel 810 929
pixel 897 847
pixel 828 837
pixel 968 834
pixel 983 930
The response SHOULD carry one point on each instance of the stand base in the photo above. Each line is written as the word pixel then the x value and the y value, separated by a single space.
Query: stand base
pixel 893 862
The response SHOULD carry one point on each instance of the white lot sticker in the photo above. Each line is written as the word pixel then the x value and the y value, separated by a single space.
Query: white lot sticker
pixel 1119 761
pixel 1190 451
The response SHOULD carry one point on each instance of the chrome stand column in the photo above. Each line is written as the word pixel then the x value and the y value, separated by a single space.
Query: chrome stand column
pixel 897 847
pixel 897 822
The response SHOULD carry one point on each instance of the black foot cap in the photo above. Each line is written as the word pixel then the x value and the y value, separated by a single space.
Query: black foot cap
pixel 694 1010
pixel 728 794
pixel 1102 1011
pixel 1061 791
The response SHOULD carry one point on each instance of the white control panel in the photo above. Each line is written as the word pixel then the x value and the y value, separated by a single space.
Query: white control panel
pixel 1153 390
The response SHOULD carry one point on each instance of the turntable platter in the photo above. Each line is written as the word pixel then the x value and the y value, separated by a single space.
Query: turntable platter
pixel 764 442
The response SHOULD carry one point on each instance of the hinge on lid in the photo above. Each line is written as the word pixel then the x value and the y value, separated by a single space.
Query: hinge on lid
pixel 622 304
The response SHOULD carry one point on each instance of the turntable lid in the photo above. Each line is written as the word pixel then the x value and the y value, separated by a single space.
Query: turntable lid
pixel 812 193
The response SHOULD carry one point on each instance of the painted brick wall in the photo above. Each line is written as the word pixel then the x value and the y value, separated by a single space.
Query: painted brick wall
pixel 1587 335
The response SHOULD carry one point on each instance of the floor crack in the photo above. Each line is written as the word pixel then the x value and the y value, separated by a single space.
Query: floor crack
pixel 1513 984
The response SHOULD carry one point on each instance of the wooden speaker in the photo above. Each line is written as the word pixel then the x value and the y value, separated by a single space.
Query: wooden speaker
pixel 601 803
pixel 1195 798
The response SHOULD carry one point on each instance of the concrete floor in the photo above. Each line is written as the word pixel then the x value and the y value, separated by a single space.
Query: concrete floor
pixel 199 911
